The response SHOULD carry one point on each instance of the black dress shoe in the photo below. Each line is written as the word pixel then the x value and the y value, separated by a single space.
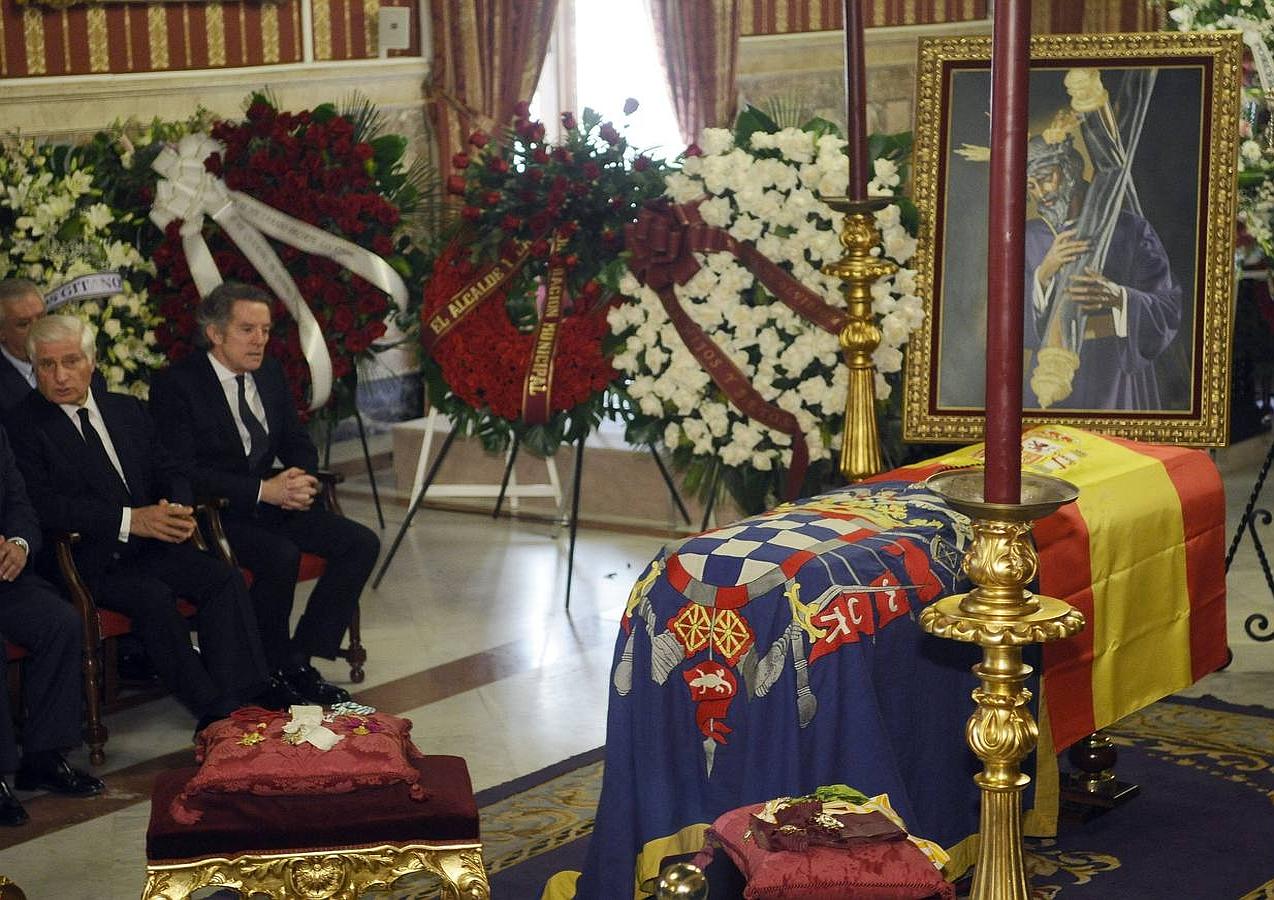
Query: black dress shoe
pixel 279 695
pixel 53 773
pixel 136 667
pixel 11 811
pixel 307 682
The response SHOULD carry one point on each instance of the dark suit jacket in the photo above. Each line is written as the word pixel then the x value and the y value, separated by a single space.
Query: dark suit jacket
pixel 13 387
pixel 195 422
pixel 61 475
pixel 17 515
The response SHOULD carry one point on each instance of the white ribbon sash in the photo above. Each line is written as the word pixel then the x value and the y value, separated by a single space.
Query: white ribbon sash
pixel 189 192
pixel 1261 55
pixel 98 284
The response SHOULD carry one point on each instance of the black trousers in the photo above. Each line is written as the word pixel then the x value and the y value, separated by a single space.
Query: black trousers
pixel 231 664
pixel 33 615
pixel 270 545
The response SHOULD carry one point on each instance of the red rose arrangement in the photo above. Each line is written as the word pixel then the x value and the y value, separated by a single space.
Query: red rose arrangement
pixel 326 167
pixel 524 286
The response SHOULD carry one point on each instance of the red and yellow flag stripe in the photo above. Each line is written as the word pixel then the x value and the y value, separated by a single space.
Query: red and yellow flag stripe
pixel 1142 555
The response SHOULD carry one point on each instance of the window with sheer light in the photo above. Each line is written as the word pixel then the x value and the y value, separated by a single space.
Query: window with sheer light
pixel 603 52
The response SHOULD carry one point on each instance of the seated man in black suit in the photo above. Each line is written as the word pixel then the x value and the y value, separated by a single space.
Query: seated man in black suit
pixel 21 303
pixel 94 465
pixel 33 616
pixel 228 415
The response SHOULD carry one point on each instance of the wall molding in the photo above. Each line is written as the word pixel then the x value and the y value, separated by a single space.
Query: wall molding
pixel 771 54
pixel 73 106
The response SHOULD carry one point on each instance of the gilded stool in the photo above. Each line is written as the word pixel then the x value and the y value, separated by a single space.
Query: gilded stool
pixel 319 847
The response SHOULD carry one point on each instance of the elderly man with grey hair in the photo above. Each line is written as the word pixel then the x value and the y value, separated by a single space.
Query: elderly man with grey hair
pixel 21 303
pixel 94 465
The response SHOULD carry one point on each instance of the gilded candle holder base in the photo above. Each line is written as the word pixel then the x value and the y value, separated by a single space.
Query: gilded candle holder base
pixel 1001 616
pixel 860 445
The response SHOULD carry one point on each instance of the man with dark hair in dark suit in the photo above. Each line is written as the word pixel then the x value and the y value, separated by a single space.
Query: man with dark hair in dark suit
pixel 228 415
pixel 21 303
pixel 33 616
pixel 94 465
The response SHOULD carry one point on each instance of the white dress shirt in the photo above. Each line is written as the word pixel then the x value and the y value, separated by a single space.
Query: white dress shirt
pixel 95 416
pixel 24 367
pixel 230 385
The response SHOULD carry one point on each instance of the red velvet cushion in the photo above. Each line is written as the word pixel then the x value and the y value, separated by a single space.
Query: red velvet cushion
pixel 234 824
pixel 375 750
pixel 112 624
pixel 875 871
pixel 311 567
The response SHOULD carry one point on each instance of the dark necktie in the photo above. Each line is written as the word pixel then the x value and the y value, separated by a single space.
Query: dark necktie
pixel 97 451
pixel 256 431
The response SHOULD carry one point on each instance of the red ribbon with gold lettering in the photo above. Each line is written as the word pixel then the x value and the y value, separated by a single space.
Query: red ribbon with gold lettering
pixel 470 297
pixel 538 384
pixel 663 242
pixel 538 387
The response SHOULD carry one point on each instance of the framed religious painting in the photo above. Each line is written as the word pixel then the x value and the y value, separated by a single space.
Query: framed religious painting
pixel 1129 235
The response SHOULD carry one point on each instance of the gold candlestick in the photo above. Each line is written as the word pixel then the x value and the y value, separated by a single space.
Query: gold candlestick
pixel 1001 616
pixel 860 444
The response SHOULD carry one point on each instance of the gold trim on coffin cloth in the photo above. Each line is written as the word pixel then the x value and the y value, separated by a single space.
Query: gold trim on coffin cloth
pixel 333 874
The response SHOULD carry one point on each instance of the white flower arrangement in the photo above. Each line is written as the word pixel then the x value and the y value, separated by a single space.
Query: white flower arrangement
pixel 767 192
pixel 58 230
pixel 1255 18
pixel 1215 15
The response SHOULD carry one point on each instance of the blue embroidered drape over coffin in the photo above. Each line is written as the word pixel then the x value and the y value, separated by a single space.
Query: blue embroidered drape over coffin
pixel 782 653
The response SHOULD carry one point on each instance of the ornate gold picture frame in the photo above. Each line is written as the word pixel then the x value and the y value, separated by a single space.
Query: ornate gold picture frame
pixel 1131 218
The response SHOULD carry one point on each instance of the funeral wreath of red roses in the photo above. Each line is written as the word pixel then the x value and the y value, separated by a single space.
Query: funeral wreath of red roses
pixel 325 167
pixel 513 319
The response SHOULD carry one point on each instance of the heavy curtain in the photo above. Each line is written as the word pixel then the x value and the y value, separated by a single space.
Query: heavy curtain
pixel 699 44
pixel 487 56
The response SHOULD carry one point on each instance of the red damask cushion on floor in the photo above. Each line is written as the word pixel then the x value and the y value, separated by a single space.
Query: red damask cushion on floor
pixel 250 753
pixel 879 870
pixel 233 824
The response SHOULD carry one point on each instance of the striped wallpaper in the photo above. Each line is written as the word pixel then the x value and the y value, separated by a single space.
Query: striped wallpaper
pixel 1062 16
pixel 786 16
pixel 136 37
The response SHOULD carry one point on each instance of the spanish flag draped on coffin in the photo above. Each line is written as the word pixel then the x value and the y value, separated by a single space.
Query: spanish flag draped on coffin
pixel 782 652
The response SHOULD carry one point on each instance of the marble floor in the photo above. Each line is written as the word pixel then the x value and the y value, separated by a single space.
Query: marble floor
pixel 469 639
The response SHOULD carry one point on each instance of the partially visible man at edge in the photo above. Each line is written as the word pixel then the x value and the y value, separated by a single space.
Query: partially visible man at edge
pixel 21 303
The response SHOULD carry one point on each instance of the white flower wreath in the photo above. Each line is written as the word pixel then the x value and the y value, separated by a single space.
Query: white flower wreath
pixel 61 231
pixel 767 193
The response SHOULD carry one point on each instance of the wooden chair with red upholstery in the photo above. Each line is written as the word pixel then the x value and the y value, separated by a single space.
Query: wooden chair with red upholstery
pixel 312 566
pixel 101 629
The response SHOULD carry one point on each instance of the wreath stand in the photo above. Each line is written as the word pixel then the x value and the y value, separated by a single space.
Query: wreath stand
pixel 367 459
pixel 424 484
pixel 1257 625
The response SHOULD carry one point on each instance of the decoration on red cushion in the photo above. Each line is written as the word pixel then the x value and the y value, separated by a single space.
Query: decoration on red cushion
pixel 877 869
pixel 249 753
